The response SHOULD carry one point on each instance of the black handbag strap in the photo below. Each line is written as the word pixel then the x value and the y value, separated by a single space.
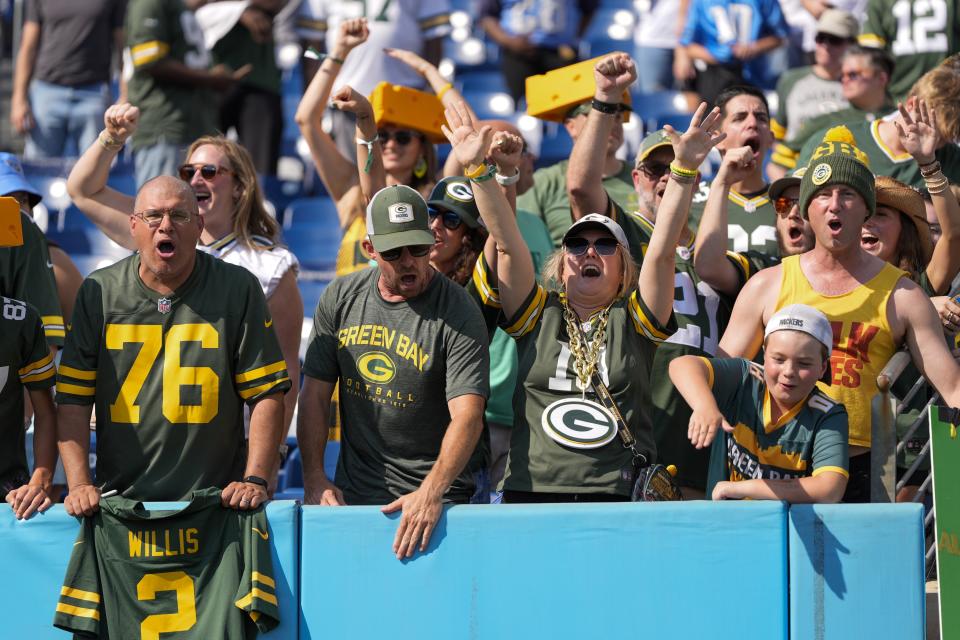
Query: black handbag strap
pixel 626 438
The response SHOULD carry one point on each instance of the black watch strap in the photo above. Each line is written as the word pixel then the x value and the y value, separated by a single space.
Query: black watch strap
pixel 256 480
pixel 610 108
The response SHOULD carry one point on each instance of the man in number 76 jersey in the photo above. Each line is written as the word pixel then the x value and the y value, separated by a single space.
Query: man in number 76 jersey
pixel 168 344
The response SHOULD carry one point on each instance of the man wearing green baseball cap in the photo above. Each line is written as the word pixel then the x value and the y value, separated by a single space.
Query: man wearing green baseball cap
pixel 408 348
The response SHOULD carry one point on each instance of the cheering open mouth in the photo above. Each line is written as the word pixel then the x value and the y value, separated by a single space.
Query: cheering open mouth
pixel 166 248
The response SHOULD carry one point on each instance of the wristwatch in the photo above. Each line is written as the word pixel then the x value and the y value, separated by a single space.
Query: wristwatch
pixel 257 480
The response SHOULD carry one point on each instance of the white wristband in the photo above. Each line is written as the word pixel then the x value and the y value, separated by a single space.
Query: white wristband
pixel 506 181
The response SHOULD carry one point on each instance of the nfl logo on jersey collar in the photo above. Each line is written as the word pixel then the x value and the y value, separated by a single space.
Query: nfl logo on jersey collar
pixel 164 305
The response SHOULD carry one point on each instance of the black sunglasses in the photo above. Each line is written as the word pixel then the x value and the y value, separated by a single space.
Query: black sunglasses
pixel 577 246
pixel 653 170
pixel 401 137
pixel 828 39
pixel 416 250
pixel 449 219
pixel 207 171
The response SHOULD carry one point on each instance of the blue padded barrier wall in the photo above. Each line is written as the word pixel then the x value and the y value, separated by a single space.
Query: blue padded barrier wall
pixel 856 571
pixel 34 556
pixel 550 571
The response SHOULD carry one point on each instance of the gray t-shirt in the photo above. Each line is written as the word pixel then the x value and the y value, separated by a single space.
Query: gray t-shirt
pixel 76 38
pixel 398 365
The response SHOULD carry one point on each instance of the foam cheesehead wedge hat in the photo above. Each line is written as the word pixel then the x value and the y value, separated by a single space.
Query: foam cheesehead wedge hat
pixel 454 194
pixel 836 161
pixel 397 217
pixel 806 319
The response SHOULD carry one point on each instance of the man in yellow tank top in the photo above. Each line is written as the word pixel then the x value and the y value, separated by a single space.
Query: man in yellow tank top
pixel 873 309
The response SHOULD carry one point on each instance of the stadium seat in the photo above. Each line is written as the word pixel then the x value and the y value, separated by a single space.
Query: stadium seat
pixel 555 146
pixel 319 211
pixel 87 264
pixel 293 470
pixel 612 24
pixel 88 241
pixel 310 292
pixel 481 81
pixel 490 104
pixel 662 107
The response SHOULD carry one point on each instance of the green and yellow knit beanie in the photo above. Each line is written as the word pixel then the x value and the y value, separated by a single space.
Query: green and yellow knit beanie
pixel 837 160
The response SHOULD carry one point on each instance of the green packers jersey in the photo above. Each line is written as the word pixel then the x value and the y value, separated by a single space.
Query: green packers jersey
pixel 169 375
pixel 563 440
pixel 398 365
pixel 786 152
pixel 751 220
pixel 26 273
pixel 176 113
pixel 807 440
pixel 548 197
pixel 201 572
pixel 883 161
pixel 25 361
pixel 919 34
pixel 803 95
pixel 749 263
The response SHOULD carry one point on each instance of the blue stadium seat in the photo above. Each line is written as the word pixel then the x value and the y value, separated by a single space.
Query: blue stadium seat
pixel 280 193
pixel 310 292
pixel 308 212
pixel 87 241
pixel 612 24
pixel 87 264
pixel 293 470
pixel 662 107
pixel 555 146
pixel 488 104
pixel 481 80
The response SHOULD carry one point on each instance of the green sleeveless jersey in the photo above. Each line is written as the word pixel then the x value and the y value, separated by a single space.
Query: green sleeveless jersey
pixel 883 161
pixel 200 572
pixel 25 362
pixel 169 375
pixel 751 220
pixel 919 34
pixel 563 440
pixel 808 439
pixel 26 273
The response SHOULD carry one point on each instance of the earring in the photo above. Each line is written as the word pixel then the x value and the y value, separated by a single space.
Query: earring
pixel 420 169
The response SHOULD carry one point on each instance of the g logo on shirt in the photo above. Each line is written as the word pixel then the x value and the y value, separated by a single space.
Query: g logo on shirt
pixel 578 424
pixel 376 367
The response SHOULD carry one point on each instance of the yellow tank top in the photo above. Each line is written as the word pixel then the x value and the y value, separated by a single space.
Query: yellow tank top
pixel 862 340
pixel 351 256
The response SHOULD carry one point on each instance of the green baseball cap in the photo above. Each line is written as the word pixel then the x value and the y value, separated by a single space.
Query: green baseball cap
pixel 397 217
pixel 454 194
pixel 782 184
pixel 651 143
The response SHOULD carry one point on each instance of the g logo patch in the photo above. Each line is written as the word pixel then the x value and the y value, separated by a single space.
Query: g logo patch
pixel 821 173
pixel 376 367
pixel 400 212
pixel 578 424
pixel 459 191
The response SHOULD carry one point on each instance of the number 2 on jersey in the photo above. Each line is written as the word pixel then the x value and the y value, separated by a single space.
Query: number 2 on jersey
pixel 186 614
pixel 125 408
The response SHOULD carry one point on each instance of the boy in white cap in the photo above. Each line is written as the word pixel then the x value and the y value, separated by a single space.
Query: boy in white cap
pixel 786 439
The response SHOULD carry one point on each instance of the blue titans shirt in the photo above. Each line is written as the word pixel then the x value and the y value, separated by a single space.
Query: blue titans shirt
pixel 717 25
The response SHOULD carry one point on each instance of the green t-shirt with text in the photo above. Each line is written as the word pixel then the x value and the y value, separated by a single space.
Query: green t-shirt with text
pixel 398 364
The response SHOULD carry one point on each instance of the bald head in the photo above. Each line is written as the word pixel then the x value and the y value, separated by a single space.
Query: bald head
pixel 167 186
pixel 502 125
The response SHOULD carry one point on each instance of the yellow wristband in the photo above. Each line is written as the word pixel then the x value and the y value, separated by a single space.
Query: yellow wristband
pixel 680 171
pixel 443 90
pixel 476 173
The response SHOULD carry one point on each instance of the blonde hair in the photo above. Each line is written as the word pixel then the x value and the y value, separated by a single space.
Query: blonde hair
pixel 250 217
pixel 552 273
pixel 940 89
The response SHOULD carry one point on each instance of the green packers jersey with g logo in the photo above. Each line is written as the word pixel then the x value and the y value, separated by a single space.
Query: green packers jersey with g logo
pixel 169 375
pixel 563 440
pixel 398 364
pixel 201 572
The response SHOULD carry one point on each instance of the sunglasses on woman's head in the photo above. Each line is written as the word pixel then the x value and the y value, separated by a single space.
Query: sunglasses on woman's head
pixel 401 137
pixel 416 250
pixel 207 171
pixel 577 246
pixel 783 205
pixel 449 219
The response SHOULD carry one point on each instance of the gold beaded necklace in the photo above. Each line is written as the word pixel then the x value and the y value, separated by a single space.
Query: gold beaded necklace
pixel 585 356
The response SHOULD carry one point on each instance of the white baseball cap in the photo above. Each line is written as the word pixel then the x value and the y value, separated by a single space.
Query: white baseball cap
pixel 599 221
pixel 801 317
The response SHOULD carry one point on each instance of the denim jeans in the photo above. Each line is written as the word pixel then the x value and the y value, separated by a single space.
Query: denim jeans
pixel 160 158
pixel 68 119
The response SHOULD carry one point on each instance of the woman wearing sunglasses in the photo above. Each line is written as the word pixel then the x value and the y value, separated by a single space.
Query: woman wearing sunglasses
pixel 408 157
pixel 599 319
pixel 237 227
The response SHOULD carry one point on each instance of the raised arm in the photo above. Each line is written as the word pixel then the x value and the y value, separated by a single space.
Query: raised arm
pixel 924 337
pixel 369 150
pixel 709 255
pixel 338 173
pixel 515 273
pixel 921 138
pixel 613 74
pixel 446 92
pixel 87 183
pixel 690 149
